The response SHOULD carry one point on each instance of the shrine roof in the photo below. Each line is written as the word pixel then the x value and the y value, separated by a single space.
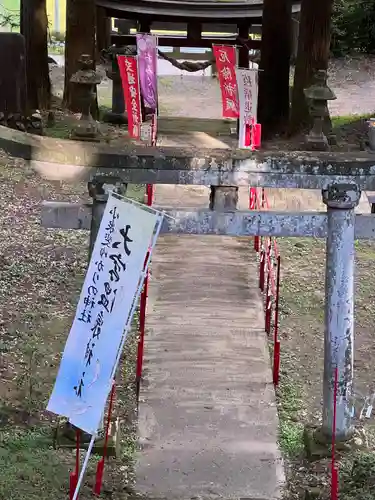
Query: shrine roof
pixel 204 9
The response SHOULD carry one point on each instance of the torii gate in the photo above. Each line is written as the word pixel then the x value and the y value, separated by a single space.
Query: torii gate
pixel 340 176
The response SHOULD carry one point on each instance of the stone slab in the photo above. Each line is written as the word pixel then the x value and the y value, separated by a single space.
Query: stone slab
pixel 71 161
pixel 207 414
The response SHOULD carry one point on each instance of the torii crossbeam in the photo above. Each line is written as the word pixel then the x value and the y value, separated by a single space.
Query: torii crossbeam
pixel 341 176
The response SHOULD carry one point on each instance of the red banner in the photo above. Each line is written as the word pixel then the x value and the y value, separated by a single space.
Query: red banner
pixel 225 57
pixel 128 66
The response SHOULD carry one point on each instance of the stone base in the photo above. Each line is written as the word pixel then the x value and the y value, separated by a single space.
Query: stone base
pixel 315 143
pixel 76 137
pixel 318 447
pixel 113 445
pixel 115 118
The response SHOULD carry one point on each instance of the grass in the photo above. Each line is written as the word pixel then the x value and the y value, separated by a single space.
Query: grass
pixel 31 469
pixel 290 404
pixel 340 121
pixel 302 342
pixel 357 477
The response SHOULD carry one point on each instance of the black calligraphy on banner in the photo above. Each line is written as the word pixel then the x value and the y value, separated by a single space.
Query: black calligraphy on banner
pixel 113 252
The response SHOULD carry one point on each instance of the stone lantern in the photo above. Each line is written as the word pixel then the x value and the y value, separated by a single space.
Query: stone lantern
pixel 318 94
pixel 117 116
pixel 87 79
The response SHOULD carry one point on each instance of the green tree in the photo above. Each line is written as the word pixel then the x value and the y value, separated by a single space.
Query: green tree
pixel 353 27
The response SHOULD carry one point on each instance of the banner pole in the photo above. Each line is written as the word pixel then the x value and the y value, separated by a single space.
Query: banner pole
pixel 84 466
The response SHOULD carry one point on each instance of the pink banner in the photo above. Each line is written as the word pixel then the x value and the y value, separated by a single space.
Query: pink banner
pixel 147 47
pixel 128 66
pixel 225 57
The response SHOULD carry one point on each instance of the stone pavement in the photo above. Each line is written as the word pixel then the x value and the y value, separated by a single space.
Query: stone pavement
pixel 207 416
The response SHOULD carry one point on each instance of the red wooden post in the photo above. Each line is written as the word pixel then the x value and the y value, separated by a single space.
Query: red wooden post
pixel 256 243
pixel 72 484
pixel 276 363
pixel 252 198
pixel 253 206
pixel 334 471
pixel 73 480
pixel 142 329
pixel 268 303
pixel 100 467
pixel 261 269
pixel 268 312
pixel 142 309
pixel 276 342
pixel 150 194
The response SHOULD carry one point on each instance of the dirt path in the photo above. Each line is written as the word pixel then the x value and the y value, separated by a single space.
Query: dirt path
pixel 207 415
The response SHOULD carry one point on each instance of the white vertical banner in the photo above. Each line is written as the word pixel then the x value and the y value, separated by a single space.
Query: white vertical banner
pixel 247 84
pixel 111 288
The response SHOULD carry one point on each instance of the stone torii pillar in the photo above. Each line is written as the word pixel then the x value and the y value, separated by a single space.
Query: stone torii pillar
pixel 341 200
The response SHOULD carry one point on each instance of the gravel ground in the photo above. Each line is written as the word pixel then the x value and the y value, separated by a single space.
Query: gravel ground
pixel 41 274
pixel 352 79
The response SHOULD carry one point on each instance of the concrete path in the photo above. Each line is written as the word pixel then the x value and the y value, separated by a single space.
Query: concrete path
pixel 207 417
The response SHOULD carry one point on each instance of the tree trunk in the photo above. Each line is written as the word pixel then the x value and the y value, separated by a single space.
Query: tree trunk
pixel 273 104
pixel 313 54
pixel 80 39
pixel 103 31
pixel 22 27
pixel 35 30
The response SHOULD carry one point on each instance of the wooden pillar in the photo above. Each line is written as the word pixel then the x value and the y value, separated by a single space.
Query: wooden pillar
pixel 103 30
pixel 194 31
pixel 273 104
pixel 123 26
pixel 243 52
pixel 243 55
pixel 144 25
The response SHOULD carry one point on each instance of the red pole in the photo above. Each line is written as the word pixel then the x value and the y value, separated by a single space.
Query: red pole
pixel 74 475
pixel 252 199
pixel 142 309
pixel 261 269
pixel 334 476
pixel 276 363
pixel 267 271
pixel 254 206
pixel 72 484
pixel 142 329
pixel 100 467
pixel 256 243
pixel 268 304
pixel 268 314
pixel 150 194
pixel 276 342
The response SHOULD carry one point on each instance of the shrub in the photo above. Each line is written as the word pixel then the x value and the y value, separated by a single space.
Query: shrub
pixel 353 27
